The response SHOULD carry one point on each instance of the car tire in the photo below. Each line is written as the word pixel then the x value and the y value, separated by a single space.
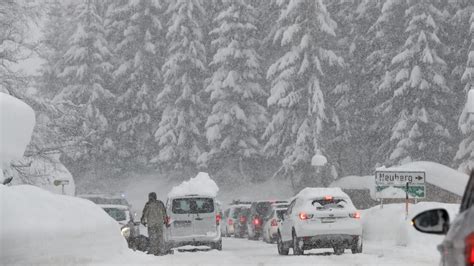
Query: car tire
pixel 357 245
pixel 282 250
pixel 296 248
pixel 338 250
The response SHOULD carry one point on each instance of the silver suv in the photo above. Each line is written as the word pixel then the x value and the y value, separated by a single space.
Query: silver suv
pixel 457 248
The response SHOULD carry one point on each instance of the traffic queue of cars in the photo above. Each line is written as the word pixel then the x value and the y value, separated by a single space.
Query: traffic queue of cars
pixel 314 218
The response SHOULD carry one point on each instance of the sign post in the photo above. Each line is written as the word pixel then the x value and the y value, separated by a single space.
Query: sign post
pixel 62 183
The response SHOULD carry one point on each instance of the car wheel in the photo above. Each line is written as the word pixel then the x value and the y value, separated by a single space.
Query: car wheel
pixel 338 250
pixel 282 250
pixel 357 245
pixel 297 250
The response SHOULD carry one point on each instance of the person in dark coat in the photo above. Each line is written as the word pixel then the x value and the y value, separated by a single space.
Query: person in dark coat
pixel 154 218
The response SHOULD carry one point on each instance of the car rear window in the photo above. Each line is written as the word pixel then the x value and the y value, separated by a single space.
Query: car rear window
pixel 263 208
pixel 333 203
pixel 236 212
pixel 193 205
pixel 117 214
pixel 280 214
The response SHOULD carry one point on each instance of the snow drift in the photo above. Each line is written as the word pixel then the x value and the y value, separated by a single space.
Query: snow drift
pixel 17 121
pixel 388 224
pixel 39 227
pixel 201 185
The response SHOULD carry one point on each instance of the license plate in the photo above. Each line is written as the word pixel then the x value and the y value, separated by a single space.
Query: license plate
pixel 328 220
pixel 182 223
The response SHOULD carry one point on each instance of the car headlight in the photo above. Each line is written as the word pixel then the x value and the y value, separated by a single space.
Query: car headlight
pixel 126 232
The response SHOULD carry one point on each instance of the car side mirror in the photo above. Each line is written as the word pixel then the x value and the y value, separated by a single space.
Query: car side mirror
pixel 434 221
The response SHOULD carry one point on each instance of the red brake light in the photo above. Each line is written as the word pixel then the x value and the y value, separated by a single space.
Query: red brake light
pixel 256 221
pixel 470 249
pixel 274 222
pixel 230 222
pixel 218 219
pixel 303 216
pixel 355 215
pixel 328 197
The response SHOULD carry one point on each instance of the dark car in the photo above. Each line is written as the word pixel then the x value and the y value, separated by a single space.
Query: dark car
pixel 259 213
pixel 457 248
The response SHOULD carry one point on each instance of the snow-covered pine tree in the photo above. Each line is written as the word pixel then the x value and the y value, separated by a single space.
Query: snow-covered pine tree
pixel 138 77
pixel 385 38
pixel 465 154
pixel 237 119
pixel 86 71
pixel 303 34
pixel 57 30
pixel 180 132
pixel 420 95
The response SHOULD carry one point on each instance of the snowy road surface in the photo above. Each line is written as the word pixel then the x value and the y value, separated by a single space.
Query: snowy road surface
pixel 245 252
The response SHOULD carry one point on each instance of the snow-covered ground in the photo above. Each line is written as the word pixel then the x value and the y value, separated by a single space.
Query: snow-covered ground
pixel 41 228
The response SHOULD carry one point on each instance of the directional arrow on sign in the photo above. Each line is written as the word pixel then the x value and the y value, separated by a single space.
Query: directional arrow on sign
pixel 419 178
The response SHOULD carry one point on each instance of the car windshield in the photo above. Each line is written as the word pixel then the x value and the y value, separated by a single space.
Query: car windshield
pixel 333 203
pixel 193 205
pixel 118 214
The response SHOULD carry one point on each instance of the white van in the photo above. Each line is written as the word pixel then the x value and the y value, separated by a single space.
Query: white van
pixel 194 220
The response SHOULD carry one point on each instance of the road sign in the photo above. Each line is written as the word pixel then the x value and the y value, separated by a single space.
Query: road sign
pixel 59 182
pixel 393 184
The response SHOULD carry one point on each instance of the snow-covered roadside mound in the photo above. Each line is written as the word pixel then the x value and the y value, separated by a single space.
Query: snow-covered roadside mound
pixel 388 225
pixel 39 227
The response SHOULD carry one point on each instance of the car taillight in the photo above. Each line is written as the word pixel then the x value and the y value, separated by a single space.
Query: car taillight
pixel 303 216
pixel 243 219
pixel 167 220
pixel 218 219
pixel 274 222
pixel 469 241
pixel 355 215
pixel 256 221
pixel 230 222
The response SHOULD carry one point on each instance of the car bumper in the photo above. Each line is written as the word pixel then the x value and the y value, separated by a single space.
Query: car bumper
pixel 329 241
pixel 317 228
pixel 198 240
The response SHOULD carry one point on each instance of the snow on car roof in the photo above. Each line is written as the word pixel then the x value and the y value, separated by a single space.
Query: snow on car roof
pixel 115 206
pixel 311 192
pixel 201 185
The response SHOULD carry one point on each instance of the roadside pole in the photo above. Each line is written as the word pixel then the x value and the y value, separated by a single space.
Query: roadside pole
pixel 406 202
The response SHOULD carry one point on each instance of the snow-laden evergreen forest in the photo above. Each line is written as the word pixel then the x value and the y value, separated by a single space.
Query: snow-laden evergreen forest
pixel 244 89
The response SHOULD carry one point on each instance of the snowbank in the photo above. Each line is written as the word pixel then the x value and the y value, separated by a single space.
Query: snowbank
pixel 441 176
pixel 388 224
pixel 39 227
pixel 356 182
pixel 436 174
pixel 17 121
pixel 201 185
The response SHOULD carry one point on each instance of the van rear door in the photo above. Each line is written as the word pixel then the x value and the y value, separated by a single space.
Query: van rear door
pixel 181 218
pixel 204 223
